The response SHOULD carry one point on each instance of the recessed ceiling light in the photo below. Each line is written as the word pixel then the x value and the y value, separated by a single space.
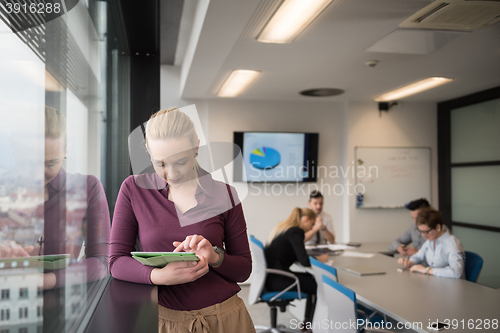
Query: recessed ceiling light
pixel 236 82
pixel 412 89
pixel 322 92
pixel 291 18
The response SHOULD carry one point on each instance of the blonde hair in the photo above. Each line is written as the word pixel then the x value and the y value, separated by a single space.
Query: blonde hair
pixel 55 124
pixel 292 221
pixel 172 124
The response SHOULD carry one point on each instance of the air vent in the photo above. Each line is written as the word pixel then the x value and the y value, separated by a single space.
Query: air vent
pixel 429 13
pixel 321 92
pixel 464 15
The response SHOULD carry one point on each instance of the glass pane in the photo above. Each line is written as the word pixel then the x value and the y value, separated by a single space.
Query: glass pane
pixel 474 195
pixel 54 218
pixel 77 135
pixel 474 132
pixel 487 245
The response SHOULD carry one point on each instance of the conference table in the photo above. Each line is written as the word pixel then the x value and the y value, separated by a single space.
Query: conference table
pixel 417 298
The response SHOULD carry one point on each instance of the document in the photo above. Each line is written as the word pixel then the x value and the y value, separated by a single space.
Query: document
pixel 357 254
pixel 331 247
pixel 161 259
pixel 335 247
pixel 362 270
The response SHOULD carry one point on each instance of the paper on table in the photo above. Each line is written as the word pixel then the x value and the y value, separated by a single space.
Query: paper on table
pixel 357 254
pixel 335 247
pixel 332 247
pixel 316 246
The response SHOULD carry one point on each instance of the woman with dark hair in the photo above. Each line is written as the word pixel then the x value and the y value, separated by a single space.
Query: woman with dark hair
pixel 443 252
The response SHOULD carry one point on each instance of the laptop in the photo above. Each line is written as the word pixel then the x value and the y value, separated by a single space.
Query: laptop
pixel 362 270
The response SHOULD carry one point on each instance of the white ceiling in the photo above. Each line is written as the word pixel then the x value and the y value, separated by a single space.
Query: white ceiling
pixel 330 53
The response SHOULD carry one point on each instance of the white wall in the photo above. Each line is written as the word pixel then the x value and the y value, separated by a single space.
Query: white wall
pixel 342 127
pixel 170 95
pixel 264 209
pixel 407 125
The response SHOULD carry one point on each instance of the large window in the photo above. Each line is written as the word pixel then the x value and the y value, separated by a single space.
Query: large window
pixel 469 166
pixel 58 81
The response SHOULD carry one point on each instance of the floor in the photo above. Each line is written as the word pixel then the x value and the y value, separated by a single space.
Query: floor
pixel 260 312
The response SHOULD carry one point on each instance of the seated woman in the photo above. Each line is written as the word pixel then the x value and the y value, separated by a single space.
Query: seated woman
pixel 286 246
pixel 444 252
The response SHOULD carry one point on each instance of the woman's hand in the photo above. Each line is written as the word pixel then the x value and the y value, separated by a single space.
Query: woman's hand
pixel 419 269
pixel 405 262
pixel 200 246
pixel 49 281
pixel 10 249
pixel 179 272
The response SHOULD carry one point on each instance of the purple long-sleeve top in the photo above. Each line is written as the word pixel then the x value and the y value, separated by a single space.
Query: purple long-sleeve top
pixel 77 223
pixel 143 210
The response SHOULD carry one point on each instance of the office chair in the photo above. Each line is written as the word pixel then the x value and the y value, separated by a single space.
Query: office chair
pixel 342 307
pixel 321 310
pixel 473 266
pixel 258 292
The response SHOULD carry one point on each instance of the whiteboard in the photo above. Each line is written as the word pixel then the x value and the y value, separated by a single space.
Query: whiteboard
pixel 392 176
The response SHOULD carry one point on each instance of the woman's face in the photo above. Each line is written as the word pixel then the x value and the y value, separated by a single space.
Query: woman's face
pixel 428 233
pixel 54 157
pixel 306 223
pixel 173 159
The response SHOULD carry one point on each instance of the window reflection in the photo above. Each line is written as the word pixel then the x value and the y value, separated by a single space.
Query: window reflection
pixel 54 217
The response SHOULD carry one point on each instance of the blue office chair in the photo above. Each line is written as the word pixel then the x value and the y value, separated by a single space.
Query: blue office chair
pixel 342 307
pixel 321 310
pixel 473 266
pixel 258 292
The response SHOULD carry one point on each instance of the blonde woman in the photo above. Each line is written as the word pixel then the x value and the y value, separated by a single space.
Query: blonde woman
pixel 83 233
pixel 286 246
pixel 86 233
pixel 189 212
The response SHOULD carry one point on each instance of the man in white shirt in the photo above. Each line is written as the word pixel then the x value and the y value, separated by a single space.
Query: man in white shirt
pixel 322 230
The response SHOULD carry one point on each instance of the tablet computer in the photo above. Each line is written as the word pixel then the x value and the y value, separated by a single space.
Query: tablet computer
pixel 161 259
pixel 45 262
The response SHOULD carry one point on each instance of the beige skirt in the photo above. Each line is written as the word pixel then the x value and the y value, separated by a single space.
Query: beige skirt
pixel 230 316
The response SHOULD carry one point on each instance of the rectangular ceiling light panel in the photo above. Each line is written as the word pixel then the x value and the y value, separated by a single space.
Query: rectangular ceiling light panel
pixel 237 82
pixel 412 89
pixel 291 18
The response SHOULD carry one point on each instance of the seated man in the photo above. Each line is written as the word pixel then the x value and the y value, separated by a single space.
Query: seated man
pixel 412 235
pixel 322 231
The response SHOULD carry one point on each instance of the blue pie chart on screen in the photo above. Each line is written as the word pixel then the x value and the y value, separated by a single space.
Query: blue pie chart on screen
pixel 265 158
